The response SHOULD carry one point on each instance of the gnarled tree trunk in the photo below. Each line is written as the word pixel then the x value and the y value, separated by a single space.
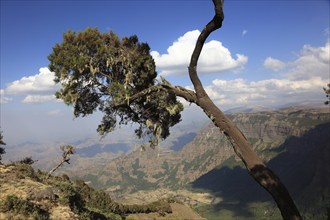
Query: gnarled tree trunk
pixel 256 168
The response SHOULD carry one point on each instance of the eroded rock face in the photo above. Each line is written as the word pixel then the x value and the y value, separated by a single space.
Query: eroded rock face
pixel 151 169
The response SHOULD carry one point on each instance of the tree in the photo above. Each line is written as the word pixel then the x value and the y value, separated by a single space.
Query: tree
pixel 327 94
pixel 67 150
pixel 27 160
pixel 2 150
pixel 98 71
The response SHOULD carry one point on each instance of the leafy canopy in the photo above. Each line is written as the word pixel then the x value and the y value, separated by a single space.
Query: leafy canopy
pixel 98 71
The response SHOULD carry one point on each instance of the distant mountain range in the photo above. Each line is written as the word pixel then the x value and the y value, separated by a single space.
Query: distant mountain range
pixel 303 164
pixel 293 141
pixel 249 109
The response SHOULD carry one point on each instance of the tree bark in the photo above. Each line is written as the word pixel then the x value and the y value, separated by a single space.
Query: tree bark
pixel 256 168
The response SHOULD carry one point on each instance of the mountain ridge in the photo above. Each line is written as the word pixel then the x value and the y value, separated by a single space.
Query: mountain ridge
pixel 270 132
pixel 265 130
pixel 209 158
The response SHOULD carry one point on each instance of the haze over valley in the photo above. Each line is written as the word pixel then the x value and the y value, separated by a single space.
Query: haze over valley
pixel 197 165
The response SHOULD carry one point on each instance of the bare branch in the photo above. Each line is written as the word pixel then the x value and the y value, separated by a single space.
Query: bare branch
pixel 214 24
pixel 243 149
pixel 180 91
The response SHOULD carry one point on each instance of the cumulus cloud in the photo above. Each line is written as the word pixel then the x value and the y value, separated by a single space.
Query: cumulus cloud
pixel 312 61
pixel 37 88
pixel 302 81
pixel 237 92
pixel 273 64
pixel 214 58
pixel 41 82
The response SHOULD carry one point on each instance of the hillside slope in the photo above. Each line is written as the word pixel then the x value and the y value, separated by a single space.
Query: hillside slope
pixel 26 194
pixel 293 141
pixel 302 163
pixel 148 168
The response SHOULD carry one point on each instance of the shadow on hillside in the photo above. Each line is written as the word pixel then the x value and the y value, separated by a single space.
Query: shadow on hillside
pixel 235 186
pixel 182 141
pixel 302 165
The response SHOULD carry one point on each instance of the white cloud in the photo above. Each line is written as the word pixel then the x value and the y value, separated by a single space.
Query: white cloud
pixel 312 61
pixel 272 92
pixel 302 81
pixel 37 88
pixel 41 82
pixel 273 64
pixel 214 57
pixel 33 99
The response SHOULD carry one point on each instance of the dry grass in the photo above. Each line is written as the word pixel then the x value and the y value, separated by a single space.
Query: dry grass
pixel 62 213
pixel 179 212
pixel 14 182
pixel 22 197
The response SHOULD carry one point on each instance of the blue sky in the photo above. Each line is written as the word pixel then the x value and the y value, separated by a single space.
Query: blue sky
pixel 267 53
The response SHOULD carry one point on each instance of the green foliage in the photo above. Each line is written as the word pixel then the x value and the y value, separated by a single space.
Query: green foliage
pixel 26 160
pixel 84 201
pixel 78 198
pixel 27 170
pixel 327 94
pixel 1 139
pixel 100 71
pixel 67 150
pixel 2 150
pixel 26 208
pixel 100 202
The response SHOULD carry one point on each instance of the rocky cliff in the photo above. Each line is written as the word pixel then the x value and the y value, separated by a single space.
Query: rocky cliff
pixel 146 168
pixel 294 142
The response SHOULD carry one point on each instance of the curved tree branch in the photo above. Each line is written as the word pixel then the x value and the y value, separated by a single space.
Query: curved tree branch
pixel 182 92
pixel 214 24
pixel 255 166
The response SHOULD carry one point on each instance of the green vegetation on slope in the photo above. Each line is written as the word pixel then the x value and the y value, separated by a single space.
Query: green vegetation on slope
pixel 27 194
